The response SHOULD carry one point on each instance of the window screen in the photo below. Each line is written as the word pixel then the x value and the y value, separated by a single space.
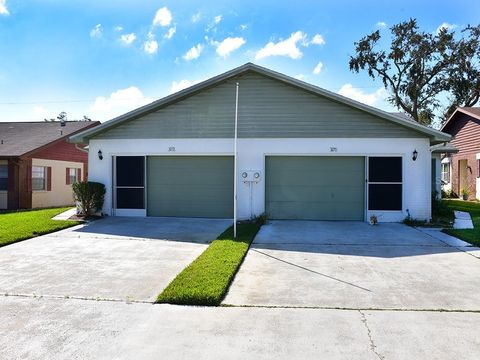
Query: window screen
pixel 385 169
pixel 130 171
pixel 385 183
pixel 385 196
pixel 130 198
pixel 3 177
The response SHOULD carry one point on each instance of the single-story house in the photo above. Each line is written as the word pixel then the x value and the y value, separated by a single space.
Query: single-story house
pixel 38 164
pixel 302 153
pixel 461 171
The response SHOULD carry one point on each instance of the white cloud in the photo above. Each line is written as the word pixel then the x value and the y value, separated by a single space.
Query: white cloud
pixel 128 39
pixel 150 46
pixel 118 28
pixel 286 47
pixel 367 98
pixel 446 26
pixel 196 17
pixel 3 8
pixel 118 103
pixel 193 53
pixel 318 40
pixel 318 68
pixel 182 84
pixel 228 45
pixel 96 32
pixel 217 19
pixel 300 77
pixel 163 17
pixel 382 24
pixel 171 31
pixel 40 111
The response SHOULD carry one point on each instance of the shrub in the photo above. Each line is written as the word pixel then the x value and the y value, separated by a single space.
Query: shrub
pixel 89 195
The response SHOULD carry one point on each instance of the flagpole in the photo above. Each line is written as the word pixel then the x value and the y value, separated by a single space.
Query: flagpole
pixel 235 166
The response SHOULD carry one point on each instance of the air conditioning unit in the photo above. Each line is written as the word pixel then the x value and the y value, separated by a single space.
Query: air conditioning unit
pixel 251 175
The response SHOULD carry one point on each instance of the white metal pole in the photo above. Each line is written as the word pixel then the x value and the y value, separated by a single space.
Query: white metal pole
pixel 235 166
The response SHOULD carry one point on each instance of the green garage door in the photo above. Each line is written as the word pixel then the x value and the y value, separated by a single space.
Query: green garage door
pixel 315 188
pixel 190 186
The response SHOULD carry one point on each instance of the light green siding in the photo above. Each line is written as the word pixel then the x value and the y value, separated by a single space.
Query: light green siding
pixel 315 188
pixel 190 186
pixel 268 108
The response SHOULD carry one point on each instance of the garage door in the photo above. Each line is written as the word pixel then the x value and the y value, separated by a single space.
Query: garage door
pixel 190 186
pixel 315 188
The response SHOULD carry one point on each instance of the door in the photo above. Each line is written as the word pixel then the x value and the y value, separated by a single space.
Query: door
pixel 190 186
pixel 129 183
pixel 315 187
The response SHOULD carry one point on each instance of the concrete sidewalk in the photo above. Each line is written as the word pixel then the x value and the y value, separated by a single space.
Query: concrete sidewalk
pixel 80 329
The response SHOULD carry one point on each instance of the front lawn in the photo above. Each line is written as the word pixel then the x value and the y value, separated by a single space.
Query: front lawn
pixel 206 280
pixel 21 225
pixel 470 235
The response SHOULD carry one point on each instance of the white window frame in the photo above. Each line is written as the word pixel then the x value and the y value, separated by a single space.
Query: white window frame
pixel 368 182
pixel 445 175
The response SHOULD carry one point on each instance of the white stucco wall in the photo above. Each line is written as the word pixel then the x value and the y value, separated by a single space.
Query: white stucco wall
pixel 61 193
pixel 251 156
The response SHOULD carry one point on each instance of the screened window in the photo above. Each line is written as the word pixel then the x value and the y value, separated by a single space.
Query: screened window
pixel 3 177
pixel 446 172
pixel 385 183
pixel 39 178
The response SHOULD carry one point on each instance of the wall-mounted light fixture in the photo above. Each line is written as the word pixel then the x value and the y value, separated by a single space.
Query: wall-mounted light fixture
pixel 100 155
pixel 414 155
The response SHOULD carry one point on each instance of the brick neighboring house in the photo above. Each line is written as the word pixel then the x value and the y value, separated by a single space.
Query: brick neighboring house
pixel 38 164
pixel 462 170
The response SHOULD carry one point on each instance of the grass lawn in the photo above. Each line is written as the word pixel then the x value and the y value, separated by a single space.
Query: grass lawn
pixel 206 280
pixel 21 225
pixel 470 235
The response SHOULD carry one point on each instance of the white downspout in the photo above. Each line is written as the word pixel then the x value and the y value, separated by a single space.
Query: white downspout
pixel 235 166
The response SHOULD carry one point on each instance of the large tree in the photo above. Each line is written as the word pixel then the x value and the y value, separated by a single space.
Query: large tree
pixel 464 74
pixel 414 70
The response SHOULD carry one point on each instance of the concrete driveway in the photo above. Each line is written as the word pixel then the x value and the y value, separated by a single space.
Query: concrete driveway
pixel 356 266
pixel 115 258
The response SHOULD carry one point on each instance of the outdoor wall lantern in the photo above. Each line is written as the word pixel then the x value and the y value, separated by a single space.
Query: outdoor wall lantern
pixel 415 155
pixel 100 155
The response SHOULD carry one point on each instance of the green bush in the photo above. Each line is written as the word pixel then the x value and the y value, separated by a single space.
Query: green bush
pixel 89 195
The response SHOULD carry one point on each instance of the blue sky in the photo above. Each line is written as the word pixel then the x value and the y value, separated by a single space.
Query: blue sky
pixel 103 58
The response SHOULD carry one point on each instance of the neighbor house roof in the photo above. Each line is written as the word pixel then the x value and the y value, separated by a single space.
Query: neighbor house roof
pixel 83 137
pixel 471 111
pixel 20 138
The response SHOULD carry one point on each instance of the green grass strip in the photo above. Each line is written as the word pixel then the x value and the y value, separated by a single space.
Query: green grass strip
pixel 206 280
pixel 469 235
pixel 21 225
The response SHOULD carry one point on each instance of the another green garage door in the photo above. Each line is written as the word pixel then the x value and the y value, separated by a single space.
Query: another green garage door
pixel 315 188
pixel 190 186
